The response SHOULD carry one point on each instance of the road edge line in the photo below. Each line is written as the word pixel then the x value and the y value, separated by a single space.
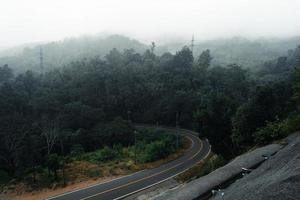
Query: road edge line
pixel 126 195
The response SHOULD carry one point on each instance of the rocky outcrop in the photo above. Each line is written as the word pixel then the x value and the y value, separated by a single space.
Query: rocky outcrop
pixel 278 176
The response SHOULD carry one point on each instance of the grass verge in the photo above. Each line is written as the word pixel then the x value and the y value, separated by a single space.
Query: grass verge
pixel 203 168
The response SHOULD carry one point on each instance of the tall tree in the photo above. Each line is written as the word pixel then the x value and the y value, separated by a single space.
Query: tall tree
pixel 204 60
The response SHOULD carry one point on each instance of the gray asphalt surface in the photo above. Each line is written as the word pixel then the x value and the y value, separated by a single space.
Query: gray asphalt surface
pixel 124 186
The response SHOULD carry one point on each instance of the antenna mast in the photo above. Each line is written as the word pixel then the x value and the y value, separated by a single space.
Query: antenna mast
pixel 41 60
pixel 192 43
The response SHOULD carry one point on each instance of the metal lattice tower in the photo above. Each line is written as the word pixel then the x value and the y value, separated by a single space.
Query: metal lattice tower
pixel 41 60
pixel 192 43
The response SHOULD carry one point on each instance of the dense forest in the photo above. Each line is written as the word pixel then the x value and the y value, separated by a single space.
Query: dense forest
pixel 88 103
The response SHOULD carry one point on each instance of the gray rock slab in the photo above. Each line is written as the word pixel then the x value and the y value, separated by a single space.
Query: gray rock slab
pixel 206 183
pixel 278 178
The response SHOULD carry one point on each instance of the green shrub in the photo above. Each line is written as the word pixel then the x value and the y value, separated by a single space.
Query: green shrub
pixel 153 151
pixel 209 164
pixel 4 177
pixel 76 152
pixel 157 150
pixel 102 155
pixel 152 144
pixel 272 131
pixel 94 173
pixel 91 157
pixel 107 154
pixel 293 123
pixel 277 130
pixel 213 163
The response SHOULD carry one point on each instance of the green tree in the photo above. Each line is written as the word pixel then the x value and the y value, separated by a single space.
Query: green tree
pixel 204 60
pixel 296 85
pixel 265 105
pixel 6 74
pixel 214 115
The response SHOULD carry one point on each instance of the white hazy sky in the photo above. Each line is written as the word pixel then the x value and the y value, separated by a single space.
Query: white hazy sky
pixel 24 21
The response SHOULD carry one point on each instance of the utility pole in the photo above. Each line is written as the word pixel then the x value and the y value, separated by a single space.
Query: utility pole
pixel 135 132
pixel 192 43
pixel 41 60
pixel 177 130
pixel 63 161
pixel 128 116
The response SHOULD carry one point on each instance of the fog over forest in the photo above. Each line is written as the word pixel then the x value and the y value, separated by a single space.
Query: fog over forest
pixel 151 91
pixel 160 21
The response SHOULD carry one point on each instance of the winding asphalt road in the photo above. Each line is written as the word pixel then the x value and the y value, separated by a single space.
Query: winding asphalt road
pixel 130 184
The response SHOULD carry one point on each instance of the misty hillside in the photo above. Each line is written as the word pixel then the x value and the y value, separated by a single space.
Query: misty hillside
pixel 58 54
pixel 247 53
pixel 16 50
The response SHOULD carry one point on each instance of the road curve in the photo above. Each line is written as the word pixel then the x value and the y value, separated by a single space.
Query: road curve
pixel 130 184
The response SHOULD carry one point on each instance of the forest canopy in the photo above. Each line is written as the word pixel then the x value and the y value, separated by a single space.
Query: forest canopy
pixel 87 103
